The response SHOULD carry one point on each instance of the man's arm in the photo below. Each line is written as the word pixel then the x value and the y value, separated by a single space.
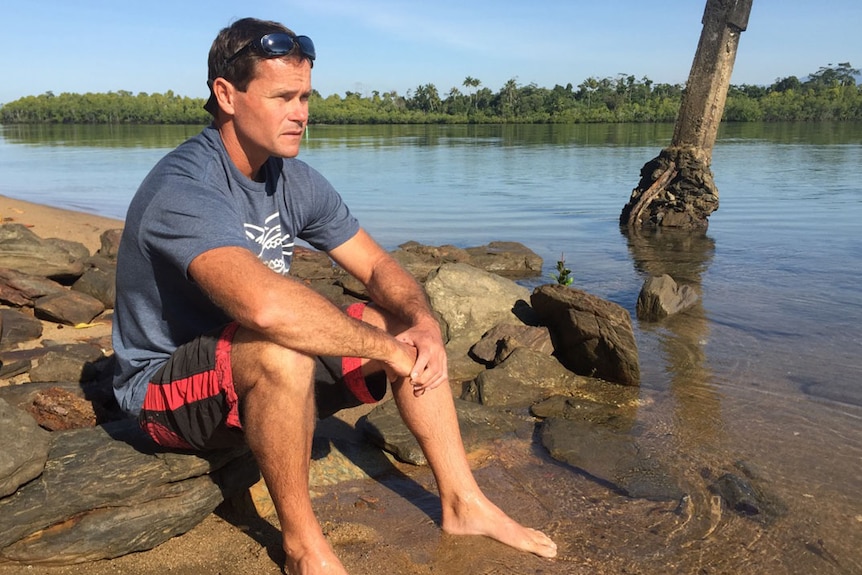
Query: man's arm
pixel 289 313
pixel 394 289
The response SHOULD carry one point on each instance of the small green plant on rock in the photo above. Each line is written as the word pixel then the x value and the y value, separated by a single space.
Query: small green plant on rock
pixel 564 274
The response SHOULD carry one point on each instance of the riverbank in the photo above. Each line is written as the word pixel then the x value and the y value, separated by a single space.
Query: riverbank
pixel 390 524
pixel 49 222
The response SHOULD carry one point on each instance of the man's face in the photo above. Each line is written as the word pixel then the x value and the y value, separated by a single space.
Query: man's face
pixel 271 115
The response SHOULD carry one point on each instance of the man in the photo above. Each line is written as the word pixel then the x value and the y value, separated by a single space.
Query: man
pixel 216 344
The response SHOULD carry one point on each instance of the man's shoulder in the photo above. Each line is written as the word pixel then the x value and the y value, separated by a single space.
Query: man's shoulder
pixel 193 159
pixel 296 171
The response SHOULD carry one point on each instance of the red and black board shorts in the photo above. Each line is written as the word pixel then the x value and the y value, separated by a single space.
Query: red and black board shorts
pixel 191 402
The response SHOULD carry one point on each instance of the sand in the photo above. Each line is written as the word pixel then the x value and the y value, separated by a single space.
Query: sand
pixel 48 222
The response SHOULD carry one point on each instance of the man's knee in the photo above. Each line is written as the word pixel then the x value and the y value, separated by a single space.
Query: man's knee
pixel 258 361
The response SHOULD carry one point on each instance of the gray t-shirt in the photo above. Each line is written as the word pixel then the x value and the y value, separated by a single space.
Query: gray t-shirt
pixel 195 200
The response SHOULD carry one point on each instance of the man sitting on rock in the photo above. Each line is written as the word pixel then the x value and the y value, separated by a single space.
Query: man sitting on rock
pixel 216 344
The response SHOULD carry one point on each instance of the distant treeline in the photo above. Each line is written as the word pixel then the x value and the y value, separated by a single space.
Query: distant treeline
pixel 831 93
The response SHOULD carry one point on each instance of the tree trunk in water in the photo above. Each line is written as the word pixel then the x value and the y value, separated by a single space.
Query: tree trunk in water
pixel 676 188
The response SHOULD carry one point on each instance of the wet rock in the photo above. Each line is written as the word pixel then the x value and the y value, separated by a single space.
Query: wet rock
pixel 524 378
pixel 25 449
pixel 496 345
pixel 592 336
pixel 746 499
pixel 69 308
pixel 587 410
pixel 610 456
pixel 17 327
pixel 384 427
pixel 20 289
pixel 24 251
pixel 471 301
pixel 661 296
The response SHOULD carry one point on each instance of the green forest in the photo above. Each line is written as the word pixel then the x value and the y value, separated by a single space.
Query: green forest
pixel 831 93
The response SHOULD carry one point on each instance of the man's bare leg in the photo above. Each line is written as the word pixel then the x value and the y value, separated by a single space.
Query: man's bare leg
pixel 432 419
pixel 276 390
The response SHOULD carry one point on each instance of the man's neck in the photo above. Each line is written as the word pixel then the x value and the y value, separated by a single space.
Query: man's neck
pixel 249 167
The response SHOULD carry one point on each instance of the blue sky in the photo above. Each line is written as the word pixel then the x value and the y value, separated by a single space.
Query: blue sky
pixel 364 45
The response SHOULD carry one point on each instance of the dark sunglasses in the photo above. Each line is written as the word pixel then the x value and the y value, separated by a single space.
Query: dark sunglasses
pixel 277 44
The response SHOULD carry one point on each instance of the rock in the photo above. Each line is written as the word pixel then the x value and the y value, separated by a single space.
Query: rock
pixel 335 460
pixel 105 532
pixel 99 282
pixel 509 337
pixel 24 251
pixel 110 243
pixel 595 401
pixel 420 260
pixel 661 296
pixel 56 409
pixel 25 449
pixel 353 287
pixel 508 259
pixel 524 378
pixel 20 289
pixel 65 405
pixel 76 250
pixel 18 327
pixel 745 499
pixel 471 301
pixel 71 362
pixel 69 308
pixel 311 264
pixel 106 491
pixel 384 427
pixel 610 456
pixel 11 368
pixel 592 336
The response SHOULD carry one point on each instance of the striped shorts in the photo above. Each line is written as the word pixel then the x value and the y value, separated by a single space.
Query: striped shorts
pixel 191 402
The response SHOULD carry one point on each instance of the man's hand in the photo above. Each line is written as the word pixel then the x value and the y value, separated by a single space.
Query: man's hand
pixel 401 363
pixel 431 368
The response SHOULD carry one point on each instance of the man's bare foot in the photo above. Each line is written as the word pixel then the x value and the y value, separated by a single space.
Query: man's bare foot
pixel 320 561
pixel 478 516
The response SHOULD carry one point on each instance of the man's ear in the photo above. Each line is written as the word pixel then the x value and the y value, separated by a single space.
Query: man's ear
pixel 224 93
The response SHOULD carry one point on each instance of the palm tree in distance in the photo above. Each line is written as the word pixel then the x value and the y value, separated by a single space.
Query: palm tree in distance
pixel 473 83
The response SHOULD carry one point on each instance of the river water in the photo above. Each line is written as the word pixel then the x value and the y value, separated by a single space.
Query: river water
pixel 764 370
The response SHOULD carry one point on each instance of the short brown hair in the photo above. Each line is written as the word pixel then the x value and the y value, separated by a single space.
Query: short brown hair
pixel 229 41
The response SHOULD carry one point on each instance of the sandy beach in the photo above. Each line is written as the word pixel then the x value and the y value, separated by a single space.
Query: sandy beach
pixel 49 222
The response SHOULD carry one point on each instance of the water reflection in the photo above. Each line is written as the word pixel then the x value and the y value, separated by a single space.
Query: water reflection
pixel 685 256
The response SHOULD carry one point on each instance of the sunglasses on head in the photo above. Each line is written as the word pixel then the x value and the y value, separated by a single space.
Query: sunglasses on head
pixel 277 44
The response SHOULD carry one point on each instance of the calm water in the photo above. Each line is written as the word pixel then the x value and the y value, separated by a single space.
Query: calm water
pixel 766 368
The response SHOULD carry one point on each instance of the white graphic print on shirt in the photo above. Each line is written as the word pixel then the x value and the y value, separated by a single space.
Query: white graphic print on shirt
pixel 275 249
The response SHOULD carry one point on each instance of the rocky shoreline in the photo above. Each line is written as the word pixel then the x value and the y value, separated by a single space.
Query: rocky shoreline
pixel 80 483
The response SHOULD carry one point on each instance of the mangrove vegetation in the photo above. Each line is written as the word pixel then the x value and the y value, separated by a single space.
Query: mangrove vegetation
pixel 831 93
